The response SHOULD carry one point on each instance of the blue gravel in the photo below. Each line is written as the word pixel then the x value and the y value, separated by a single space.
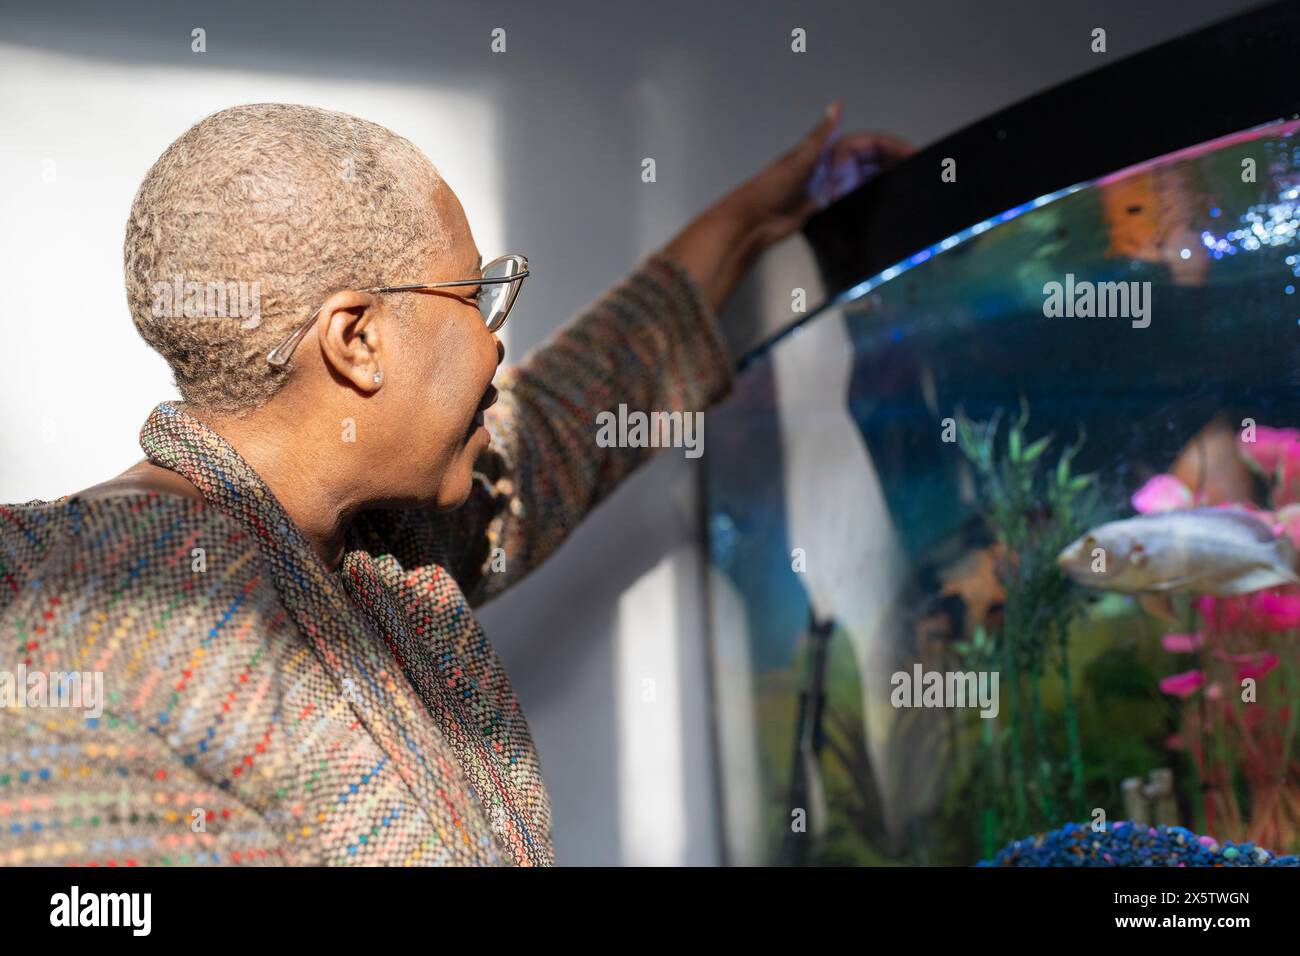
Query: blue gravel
pixel 1129 844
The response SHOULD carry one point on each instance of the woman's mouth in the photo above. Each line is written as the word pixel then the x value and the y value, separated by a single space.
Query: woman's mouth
pixel 476 423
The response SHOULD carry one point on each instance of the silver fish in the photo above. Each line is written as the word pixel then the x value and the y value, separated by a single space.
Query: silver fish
pixel 1216 551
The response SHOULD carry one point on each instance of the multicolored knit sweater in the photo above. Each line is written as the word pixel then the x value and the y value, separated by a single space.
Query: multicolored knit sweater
pixel 260 708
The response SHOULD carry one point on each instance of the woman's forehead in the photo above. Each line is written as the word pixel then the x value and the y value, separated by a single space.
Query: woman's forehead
pixel 462 253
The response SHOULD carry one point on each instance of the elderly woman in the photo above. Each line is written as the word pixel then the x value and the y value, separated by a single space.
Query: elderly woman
pixel 277 600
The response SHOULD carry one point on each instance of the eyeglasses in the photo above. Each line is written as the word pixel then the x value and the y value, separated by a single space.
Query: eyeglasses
pixel 503 276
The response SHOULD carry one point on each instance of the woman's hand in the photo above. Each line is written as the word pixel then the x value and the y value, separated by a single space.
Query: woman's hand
pixel 720 245
pixel 817 171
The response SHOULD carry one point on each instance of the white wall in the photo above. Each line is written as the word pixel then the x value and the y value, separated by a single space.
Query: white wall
pixel 543 144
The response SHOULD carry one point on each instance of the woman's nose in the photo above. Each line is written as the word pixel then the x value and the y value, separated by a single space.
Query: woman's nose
pixel 501 349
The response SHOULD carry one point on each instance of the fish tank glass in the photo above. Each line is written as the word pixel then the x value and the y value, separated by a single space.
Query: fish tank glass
pixel 903 674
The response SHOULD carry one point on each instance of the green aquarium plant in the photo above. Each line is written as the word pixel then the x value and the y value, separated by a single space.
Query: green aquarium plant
pixel 1034 510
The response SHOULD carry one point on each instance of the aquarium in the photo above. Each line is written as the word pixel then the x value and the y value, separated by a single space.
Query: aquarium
pixel 906 669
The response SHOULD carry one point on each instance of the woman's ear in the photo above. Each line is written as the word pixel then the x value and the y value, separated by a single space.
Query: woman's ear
pixel 350 340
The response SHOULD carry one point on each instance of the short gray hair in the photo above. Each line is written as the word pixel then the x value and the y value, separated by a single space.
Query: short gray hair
pixel 279 204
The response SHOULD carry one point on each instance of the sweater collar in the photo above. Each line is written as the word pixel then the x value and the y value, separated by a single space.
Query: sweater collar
pixel 174 439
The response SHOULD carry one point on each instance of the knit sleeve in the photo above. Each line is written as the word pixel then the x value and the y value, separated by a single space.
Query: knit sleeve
pixel 651 344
